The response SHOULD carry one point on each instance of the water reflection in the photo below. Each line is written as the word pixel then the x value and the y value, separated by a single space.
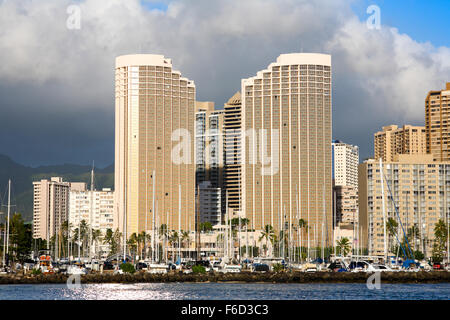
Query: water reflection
pixel 230 291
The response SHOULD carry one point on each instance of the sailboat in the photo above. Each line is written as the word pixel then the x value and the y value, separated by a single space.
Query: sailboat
pixel 6 235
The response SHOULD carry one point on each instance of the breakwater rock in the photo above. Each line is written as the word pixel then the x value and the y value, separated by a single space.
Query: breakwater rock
pixel 269 277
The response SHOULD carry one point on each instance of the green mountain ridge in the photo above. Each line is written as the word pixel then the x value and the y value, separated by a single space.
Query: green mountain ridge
pixel 22 178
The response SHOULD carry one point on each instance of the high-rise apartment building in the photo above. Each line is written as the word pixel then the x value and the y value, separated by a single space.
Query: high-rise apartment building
pixel 209 150
pixel 346 198
pixel 437 123
pixel 51 205
pixel 345 159
pixel 393 140
pixel 286 122
pixel 233 151
pixel 210 203
pixel 154 145
pixel 417 186
pixel 96 208
pixel 345 164
pixel 209 158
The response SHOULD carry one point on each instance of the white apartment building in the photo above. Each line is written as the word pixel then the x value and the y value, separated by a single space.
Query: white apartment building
pixel 345 164
pixel 95 207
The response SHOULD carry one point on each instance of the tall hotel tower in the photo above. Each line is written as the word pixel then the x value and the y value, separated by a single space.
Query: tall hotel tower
pixel 437 115
pixel 286 112
pixel 154 121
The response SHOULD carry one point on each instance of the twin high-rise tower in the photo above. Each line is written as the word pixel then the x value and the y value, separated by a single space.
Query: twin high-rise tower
pixel 286 115
pixel 277 170
pixel 155 109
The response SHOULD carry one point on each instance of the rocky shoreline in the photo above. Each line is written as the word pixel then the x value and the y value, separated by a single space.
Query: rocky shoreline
pixel 243 277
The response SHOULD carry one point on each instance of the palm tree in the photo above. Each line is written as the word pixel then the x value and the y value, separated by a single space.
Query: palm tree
pixel 108 238
pixel 440 243
pixel 173 240
pixel 185 237
pixel 391 226
pixel 269 235
pixel 206 226
pixel 84 228
pixel 343 245
pixel 221 239
pixel 112 239
pixel 413 234
pixel 148 239
pixel 142 243
pixel 164 235
pixel 302 224
pixel 132 244
pixel 96 235
pixel 65 230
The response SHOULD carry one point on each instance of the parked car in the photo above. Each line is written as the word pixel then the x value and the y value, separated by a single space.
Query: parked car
pixel 141 266
pixel 108 265
pixel 337 266
pixel 437 266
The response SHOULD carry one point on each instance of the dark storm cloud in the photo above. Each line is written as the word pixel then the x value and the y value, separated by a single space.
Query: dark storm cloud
pixel 57 86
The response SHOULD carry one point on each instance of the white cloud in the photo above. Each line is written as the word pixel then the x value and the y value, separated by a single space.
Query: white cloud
pixel 391 67
pixel 384 74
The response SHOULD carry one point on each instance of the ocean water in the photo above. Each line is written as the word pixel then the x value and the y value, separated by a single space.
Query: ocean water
pixel 225 291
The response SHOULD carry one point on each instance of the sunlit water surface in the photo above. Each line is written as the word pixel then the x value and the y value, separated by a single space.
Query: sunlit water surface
pixel 225 291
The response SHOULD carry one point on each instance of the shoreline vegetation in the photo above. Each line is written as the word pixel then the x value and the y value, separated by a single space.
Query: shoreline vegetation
pixel 242 277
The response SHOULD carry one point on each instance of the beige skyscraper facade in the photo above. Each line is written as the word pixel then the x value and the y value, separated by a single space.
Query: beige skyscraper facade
pixel 155 110
pixel 420 189
pixel 437 123
pixel 393 140
pixel 286 121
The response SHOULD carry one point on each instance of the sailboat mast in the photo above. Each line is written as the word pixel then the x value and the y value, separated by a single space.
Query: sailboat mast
pixel 153 218
pixel 290 234
pixel 9 212
pixel 225 233
pixel 79 236
pixel 91 213
pixel 165 236
pixel 308 236
pixel 383 209
pixel 179 221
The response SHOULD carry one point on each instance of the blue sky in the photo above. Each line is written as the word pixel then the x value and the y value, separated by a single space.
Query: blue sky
pixel 154 5
pixel 422 20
